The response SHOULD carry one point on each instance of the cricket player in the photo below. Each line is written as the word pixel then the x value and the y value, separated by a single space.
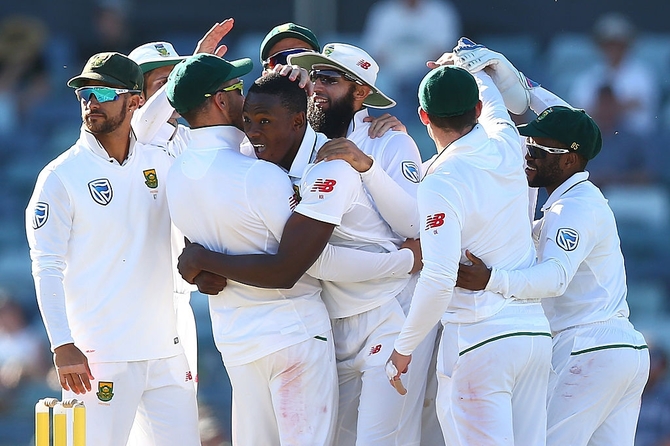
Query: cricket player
pixel 156 60
pixel 494 355
pixel 276 343
pixel 344 79
pixel 601 362
pixel 99 233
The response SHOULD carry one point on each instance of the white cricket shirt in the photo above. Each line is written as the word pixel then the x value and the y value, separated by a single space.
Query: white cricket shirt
pixel 333 192
pixel 234 204
pixel 99 236
pixel 579 259
pixel 474 196
pixel 394 177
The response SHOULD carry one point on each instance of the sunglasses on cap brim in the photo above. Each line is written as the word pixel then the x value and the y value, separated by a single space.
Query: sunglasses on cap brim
pixel 280 57
pixel 538 151
pixel 236 86
pixel 102 94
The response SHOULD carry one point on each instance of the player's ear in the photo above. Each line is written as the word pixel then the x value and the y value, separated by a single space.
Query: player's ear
pixel 299 120
pixel 134 102
pixel 361 92
pixel 423 116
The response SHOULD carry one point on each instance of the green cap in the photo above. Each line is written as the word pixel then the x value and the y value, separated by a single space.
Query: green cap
pixel 570 126
pixel 199 75
pixel 448 91
pixel 284 31
pixel 114 69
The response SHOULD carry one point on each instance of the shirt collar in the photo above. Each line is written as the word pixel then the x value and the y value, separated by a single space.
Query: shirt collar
pixel 466 143
pixel 306 153
pixel 357 122
pixel 92 143
pixel 215 138
pixel 576 178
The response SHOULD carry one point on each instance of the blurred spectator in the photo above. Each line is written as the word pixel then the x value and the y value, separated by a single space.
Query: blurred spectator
pixel 402 35
pixel 112 30
pixel 21 351
pixel 653 427
pixel 24 79
pixel 630 157
pixel 634 89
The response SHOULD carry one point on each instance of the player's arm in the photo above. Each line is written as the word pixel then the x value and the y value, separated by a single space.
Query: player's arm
pixel 567 244
pixel 440 243
pixel 391 181
pixel 48 226
pixel 301 243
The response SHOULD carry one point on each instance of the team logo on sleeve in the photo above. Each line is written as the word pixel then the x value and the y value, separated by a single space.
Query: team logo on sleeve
pixel 323 186
pixel 434 221
pixel 567 239
pixel 101 191
pixel 105 391
pixel 41 214
pixel 151 178
pixel 410 171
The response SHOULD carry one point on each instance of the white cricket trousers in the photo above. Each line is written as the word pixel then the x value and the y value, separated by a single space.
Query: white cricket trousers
pixel 370 409
pixel 157 394
pixel 492 379
pixel 288 397
pixel 595 392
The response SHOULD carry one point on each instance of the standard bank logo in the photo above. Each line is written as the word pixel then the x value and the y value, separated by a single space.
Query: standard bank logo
pixel 410 171
pixel 567 239
pixel 41 214
pixel 101 191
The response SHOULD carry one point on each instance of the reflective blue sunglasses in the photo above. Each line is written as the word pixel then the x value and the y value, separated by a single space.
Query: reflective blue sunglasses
pixel 102 94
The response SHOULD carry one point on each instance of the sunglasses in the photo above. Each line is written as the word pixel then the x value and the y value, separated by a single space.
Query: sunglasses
pixel 280 58
pixel 237 86
pixel 538 151
pixel 102 94
pixel 331 77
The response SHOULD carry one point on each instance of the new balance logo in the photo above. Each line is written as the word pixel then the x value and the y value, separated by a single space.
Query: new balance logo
pixel 189 376
pixel 375 349
pixel 434 221
pixel 324 186
pixel 293 202
pixel 364 64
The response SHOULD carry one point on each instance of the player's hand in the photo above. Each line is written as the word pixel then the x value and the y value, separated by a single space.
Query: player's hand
pixel 445 59
pixel 344 149
pixel 294 72
pixel 399 364
pixel 210 283
pixel 379 126
pixel 209 42
pixel 473 277
pixel 415 246
pixel 188 263
pixel 73 371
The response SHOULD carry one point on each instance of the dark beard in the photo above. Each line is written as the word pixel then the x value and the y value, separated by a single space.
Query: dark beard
pixel 109 124
pixel 547 175
pixel 333 123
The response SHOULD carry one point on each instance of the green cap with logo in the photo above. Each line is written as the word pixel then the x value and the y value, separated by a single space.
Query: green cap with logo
pixel 113 69
pixel 448 91
pixel 570 126
pixel 199 75
pixel 285 31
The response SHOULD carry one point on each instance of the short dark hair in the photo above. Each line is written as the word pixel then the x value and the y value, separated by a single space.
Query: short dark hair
pixel 190 115
pixel 456 123
pixel 292 97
